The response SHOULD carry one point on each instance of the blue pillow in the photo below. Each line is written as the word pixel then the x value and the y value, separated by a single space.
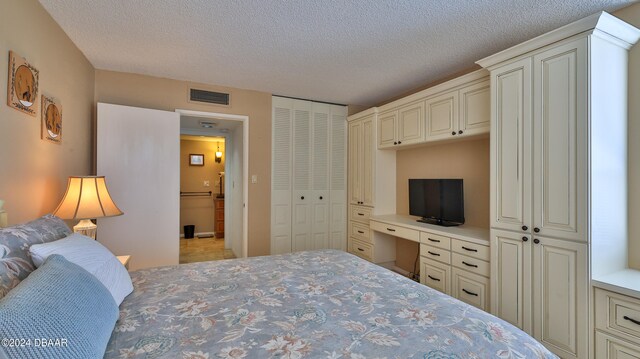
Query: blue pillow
pixel 62 304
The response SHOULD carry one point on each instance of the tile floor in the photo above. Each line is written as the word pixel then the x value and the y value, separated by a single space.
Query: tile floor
pixel 203 249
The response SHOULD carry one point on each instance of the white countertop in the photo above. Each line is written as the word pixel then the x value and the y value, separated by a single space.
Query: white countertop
pixel 464 232
pixel 626 282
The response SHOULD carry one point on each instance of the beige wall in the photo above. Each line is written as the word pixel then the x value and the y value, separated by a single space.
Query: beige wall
pixel 198 210
pixel 165 94
pixel 468 160
pixel 631 15
pixel 33 173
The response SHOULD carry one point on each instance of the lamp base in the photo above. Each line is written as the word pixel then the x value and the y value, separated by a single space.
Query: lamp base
pixel 86 228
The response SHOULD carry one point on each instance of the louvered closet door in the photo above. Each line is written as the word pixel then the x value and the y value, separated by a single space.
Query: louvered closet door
pixel 320 200
pixel 338 179
pixel 302 201
pixel 281 164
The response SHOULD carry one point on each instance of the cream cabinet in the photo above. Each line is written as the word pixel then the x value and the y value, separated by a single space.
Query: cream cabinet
pixel 442 116
pixel 401 126
pixel 361 161
pixel 554 129
pixel 617 322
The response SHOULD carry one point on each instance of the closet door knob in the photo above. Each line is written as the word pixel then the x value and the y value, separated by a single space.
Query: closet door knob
pixel 395 143
pixel 453 133
pixel 320 197
pixel 460 132
pixel 524 239
pixel 301 197
pixel 536 229
pixel 524 228
pixel 536 241
pixel 399 142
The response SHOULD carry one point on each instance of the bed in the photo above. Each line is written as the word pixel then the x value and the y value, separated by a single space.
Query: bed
pixel 317 304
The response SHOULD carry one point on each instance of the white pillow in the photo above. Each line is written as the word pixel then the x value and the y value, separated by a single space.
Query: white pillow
pixel 93 257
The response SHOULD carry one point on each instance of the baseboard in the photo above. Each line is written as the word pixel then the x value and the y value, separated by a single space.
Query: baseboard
pixel 212 234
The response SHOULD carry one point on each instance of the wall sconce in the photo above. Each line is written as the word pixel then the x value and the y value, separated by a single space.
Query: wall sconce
pixel 218 154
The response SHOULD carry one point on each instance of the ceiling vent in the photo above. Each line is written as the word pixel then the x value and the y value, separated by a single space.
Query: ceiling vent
pixel 216 98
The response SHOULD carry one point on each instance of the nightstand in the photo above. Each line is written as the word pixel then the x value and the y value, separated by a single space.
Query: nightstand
pixel 124 260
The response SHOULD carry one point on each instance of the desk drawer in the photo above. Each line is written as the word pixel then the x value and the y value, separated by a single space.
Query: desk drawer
pixel 618 314
pixel 434 253
pixel 470 288
pixel 360 214
pixel 361 249
pixel 609 347
pixel 435 275
pixel 359 230
pixel 470 264
pixel 435 240
pixel 406 233
pixel 471 249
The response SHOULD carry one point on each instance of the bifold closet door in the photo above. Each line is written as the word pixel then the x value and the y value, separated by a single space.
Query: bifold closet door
pixel 281 163
pixel 320 198
pixel 302 203
pixel 338 179
pixel 138 152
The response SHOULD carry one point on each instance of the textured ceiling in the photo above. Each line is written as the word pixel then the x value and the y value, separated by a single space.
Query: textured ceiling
pixel 344 51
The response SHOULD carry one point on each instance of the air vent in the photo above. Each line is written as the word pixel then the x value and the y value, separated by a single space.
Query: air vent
pixel 217 98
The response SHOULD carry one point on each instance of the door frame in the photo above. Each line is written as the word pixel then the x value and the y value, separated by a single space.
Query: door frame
pixel 245 163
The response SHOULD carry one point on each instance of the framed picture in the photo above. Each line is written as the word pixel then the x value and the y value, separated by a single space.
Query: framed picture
pixel 196 159
pixel 51 128
pixel 22 92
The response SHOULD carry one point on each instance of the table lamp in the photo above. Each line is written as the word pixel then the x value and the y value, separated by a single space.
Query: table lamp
pixel 86 198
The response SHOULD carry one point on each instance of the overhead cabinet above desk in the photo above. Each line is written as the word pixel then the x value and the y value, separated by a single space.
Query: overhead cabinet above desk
pixel 454 109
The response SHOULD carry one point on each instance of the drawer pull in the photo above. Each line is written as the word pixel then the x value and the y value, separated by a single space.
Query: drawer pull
pixel 469 249
pixel 360 214
pixel 432 278
pixel 434 240
pixel 470 265
pixel 470 293
pixel 391 230
pixel 434 254
pixel 361 232
pixel 360 249
pixel 631 320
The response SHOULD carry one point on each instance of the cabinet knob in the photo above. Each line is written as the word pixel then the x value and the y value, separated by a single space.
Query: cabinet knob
pixel 460 132
pixel 524 228
pixel 395 143
pixel 536 241
pixel 320 197
pixel 301 197
pixel 524 239
pixel 453 133
pixel 536 229
pixel 399 142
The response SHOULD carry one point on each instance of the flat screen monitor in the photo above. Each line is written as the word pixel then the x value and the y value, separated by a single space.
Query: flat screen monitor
pixel 437 201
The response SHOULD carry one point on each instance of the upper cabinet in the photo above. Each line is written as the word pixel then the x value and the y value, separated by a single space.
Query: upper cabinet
pixel 457 108
pixel 404 125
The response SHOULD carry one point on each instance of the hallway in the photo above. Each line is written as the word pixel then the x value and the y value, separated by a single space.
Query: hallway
pixel 203 249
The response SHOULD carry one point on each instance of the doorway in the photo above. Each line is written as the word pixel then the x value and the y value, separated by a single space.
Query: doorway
pixel 220 189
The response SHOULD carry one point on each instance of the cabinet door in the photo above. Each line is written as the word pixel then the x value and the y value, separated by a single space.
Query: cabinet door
pixel 387 129
pixel 367 160
pixel 560 170
pixel 511 146
pixel 281 164
pixel 511 278
pixel 475 109
pixel 442 116
pixel 302 204
pixel 411 123
pixel 355 162
pixel 560 320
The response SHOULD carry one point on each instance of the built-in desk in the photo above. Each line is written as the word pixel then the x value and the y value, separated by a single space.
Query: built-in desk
pixel 453 260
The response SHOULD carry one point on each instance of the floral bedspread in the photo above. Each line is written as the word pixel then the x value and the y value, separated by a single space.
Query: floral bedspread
pixel 318 304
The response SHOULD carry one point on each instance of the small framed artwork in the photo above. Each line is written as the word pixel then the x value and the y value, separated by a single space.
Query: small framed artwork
pixel 196 160
pixel 22 92
pixel 51 120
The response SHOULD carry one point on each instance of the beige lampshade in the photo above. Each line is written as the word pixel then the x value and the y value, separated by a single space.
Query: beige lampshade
pixel 87 197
